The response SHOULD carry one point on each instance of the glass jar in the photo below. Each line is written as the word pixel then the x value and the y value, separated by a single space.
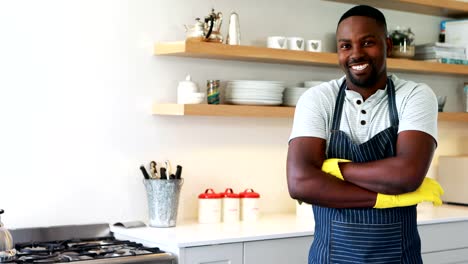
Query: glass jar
pixel 403 43
pixel 212 91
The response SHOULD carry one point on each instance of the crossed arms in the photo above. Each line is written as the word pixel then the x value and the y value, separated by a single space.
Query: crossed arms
pixel 397 175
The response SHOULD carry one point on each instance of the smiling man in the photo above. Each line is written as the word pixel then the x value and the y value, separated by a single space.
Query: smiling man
pixel 359 151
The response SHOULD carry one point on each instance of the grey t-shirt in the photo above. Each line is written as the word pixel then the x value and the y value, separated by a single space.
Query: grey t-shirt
pixel 361 120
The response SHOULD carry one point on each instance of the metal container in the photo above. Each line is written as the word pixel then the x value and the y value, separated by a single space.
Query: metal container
pixel 250 209
pixel 163 201
pixel 7 249
pixel 231 206
pixel 233 36
pixel 209 207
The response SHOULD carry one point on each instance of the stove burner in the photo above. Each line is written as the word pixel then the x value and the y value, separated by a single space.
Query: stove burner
pixel 41 247
pixel 78 250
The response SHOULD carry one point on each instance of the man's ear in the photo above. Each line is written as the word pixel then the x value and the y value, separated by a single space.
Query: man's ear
pixel 389 46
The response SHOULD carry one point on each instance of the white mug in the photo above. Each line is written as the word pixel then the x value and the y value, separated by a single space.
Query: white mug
pixel 277 42
pixel 314 45
pixel 295 43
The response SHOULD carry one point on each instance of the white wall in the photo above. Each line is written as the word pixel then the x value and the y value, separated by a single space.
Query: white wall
pixel 78 78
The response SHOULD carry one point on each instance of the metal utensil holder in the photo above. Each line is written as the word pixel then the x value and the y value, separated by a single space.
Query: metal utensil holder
pixel 7 249
pixel 163 201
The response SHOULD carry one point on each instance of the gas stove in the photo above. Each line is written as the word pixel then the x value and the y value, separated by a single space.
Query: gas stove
pixel 90 244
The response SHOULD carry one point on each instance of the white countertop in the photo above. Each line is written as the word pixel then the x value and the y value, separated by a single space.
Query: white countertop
pixel 190 233
pixel 428 214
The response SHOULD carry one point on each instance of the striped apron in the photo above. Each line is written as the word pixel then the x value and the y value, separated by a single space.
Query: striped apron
pixel 365 235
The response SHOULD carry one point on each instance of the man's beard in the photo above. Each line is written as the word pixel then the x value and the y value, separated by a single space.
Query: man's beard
pixel 366 82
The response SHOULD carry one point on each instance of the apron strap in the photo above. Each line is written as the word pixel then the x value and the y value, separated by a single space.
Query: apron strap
pixel 392 103
pixel 339 107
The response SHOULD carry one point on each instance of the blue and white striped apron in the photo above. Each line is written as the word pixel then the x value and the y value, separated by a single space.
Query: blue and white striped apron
pixel 365 235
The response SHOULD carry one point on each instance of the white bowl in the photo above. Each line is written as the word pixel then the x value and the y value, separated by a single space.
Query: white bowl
pixel 192 101
pixel 191 98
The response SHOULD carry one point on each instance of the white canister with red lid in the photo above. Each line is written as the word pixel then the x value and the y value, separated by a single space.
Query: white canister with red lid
pixel 209 207
pixel 250 205
pixel 231 205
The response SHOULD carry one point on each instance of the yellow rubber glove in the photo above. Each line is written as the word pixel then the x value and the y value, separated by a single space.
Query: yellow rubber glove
pixel 429 191
pixel 330 166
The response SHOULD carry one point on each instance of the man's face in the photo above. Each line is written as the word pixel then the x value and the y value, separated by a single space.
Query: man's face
pixel 362 50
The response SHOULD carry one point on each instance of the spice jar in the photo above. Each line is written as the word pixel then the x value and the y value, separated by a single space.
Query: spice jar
pixel 231 204
pixel 250 205
pixel 212 91
pixel 209 207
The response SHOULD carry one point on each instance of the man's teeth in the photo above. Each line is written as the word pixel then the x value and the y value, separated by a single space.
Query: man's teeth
pixel 359 67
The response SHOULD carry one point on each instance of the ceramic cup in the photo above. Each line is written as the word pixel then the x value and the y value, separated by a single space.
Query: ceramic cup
pixel 313 45
pixel 277 42
pixel 295 43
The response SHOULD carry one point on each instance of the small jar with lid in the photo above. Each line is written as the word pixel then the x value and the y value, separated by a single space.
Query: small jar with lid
pixel 250 210
pixel 231 206
pixel 209 207
pixel 187 92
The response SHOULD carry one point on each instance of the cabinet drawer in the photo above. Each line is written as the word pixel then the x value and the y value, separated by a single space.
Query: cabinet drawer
pixel 278 251
pixel 444 236
pixel 214 254
pixel 446 257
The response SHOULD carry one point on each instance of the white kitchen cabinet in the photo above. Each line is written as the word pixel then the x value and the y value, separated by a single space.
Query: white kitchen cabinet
pixel 441 243
pixel 271 251
pixel 444 243
pixel 457 256
pixel 214 254
pixel 287 239
pixel 278 251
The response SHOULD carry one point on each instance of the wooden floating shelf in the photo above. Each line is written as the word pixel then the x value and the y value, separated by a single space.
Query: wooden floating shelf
pixel 445 8
pixel 222 110
pixel 254 111
pixel 199 49
pixel 453 116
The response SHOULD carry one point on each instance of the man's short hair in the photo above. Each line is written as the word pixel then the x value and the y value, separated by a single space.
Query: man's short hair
pixel 366 11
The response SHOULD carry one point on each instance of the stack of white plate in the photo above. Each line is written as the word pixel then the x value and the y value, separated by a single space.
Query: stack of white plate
pixel 292 94
pixel 245 92
pixel 309 84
